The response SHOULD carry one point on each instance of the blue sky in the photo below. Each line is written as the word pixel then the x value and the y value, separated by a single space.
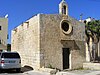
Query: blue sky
pixel 21 10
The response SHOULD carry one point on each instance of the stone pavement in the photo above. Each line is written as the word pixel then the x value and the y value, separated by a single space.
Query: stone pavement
pixel 75 72
pixel 80 72
pixel 47 72
pixel 36 73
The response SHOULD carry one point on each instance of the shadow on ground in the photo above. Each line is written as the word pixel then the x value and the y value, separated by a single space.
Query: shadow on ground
pixel 26 68
pixel 23 69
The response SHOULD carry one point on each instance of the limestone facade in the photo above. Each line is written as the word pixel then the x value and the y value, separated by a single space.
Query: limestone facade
pixel 50 40
pixel 3 33
pixel 40 41
pixel 26 40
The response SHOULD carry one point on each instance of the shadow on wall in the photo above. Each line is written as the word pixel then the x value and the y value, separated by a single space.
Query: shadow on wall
pixel 70 44
pixel 76 47
pixel 98 58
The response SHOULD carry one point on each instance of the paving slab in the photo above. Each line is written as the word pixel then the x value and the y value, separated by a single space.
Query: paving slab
pixel 93 73
pixel 80 72
pixel 36 73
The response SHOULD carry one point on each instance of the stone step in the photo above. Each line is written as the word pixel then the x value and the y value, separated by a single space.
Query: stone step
pixel 92 66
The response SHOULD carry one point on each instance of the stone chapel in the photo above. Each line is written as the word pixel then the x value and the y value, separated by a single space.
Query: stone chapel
pixel 51 40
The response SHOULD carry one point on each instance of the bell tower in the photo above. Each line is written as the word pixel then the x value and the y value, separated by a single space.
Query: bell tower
pixel 63 8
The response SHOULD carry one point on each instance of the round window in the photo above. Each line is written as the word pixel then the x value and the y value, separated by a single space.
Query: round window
pixel 66 27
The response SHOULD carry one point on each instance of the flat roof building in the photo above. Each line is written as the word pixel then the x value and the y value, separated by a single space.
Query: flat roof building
pixel 3 33
pixel 46 40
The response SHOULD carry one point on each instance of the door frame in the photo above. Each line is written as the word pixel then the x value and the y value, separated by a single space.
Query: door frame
pixel 69 58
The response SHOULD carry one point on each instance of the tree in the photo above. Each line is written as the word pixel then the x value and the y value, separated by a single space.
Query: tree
pixel 92 32
pixel 94 28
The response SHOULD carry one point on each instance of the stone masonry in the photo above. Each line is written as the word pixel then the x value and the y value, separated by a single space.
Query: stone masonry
pixel 41 39
pixel 3 33
pixel 26 40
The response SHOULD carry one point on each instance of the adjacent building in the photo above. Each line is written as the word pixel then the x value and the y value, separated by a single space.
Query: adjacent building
pixel 51 40
pixel 3 33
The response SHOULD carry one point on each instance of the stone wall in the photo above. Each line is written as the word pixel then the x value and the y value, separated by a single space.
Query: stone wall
pixel 78 56
pixel 91 66
pixel 50 44
pixel 3 33
pixel 26 41
pixel 78 31
pixel 98 48
pixel 40 41
pixel 53 40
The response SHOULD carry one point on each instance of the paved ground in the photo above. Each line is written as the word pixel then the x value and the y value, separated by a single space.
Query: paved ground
pixel 25 73
pixel 80 72
pixel 36 73
pixel 74 72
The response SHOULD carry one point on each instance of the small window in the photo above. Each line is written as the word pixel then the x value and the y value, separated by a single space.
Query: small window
pixel 0 27
pixel 64 10
pixel 7 36
pixel 0 41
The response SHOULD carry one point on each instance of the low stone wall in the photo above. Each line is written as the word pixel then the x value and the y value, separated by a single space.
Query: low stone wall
pixel 92 66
